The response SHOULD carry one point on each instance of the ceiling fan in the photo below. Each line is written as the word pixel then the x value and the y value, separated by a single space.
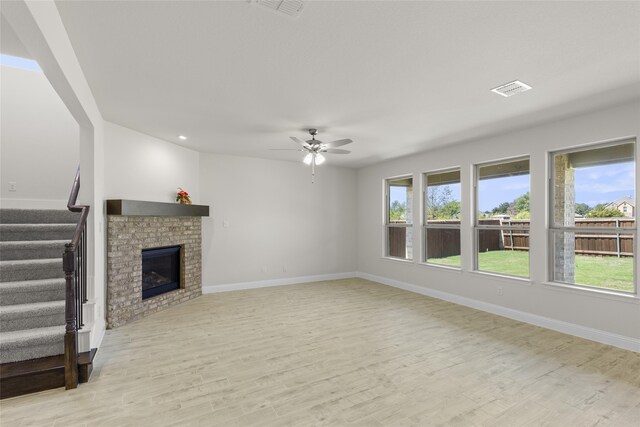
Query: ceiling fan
pixel 314 149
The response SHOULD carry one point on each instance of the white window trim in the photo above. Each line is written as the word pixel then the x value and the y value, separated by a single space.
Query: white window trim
pixel 387 224
pixel 476 227
pixel 426 225
pixel 594 290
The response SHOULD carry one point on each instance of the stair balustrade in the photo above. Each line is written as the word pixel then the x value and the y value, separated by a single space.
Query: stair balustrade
pixel 74 264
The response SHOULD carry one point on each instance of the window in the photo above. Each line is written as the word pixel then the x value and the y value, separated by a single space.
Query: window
pixel 592 241
pixel 441 224
pixel 399 218
pixel 502 218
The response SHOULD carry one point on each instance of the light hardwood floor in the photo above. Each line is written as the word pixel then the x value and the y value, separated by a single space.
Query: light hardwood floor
pixel 346 352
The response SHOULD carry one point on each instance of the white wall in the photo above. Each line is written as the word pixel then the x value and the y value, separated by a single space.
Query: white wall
pixel 141 167
pixel 280 225
pixel 39 142
pixel 614 315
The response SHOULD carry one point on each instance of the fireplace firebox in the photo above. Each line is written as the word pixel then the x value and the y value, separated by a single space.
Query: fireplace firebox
pixel 160 270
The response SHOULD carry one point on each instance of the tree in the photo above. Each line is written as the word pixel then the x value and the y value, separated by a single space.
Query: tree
pixel 600 211
pixel 522 203
pixel 452 209
pixel 439 203
pixel 437 197
pixel 502 208
pixel 582 208
pixel 398 211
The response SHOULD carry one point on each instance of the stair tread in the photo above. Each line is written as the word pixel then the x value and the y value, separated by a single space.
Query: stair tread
pixel 24 285
pixel 31 226
pixel 17 243
pixel 26 291
pixel 43 261
pixel 31 249
pixel 37 216
pixel 42 308
pixel 27 337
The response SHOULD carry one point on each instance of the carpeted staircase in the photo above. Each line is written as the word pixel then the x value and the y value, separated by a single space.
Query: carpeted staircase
pixel 32 287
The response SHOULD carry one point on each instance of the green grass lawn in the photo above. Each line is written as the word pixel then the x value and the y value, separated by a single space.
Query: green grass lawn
pixel 601 271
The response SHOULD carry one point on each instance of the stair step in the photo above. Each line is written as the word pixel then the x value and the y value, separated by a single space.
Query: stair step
pixel 31 376
pixel 30 316
pixel 21 232
pixel 38 216
pixel 31 343
pixel 44 373
pixel 31 249
pixel 31 269
pixel 28 291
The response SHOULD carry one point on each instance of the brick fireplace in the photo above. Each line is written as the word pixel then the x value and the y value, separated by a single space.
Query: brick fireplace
pixel 133 227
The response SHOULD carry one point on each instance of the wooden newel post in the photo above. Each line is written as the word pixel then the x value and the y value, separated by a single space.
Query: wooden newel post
pixel 71 328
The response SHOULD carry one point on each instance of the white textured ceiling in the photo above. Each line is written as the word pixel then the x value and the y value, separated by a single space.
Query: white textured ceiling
pixel 396 77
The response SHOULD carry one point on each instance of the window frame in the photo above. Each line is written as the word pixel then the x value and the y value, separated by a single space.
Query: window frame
pixel 426 226
pixel 553 228
pixel 477 227
pixel 386 212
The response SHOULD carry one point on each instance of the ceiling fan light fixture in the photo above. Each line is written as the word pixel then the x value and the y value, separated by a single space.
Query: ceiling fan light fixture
pixel 308 159
pixel 314 148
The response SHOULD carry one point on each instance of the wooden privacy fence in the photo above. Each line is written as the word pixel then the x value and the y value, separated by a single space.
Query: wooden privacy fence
pixel 397 240
pixel 443 242
pixel 618 244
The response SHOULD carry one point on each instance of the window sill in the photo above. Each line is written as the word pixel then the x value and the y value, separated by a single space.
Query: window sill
pixel 593 292
pixel 402 260
pixel 441 267
pixel 523 280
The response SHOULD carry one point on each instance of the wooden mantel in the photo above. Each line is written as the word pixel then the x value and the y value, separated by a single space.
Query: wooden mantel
pixel 142 208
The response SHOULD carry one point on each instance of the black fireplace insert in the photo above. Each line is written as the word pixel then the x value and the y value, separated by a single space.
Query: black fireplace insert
pixel 160 270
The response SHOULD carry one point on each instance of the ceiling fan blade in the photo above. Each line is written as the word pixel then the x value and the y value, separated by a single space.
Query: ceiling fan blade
pixel 338 143
pixel 335 151
pixel 301 142
pixel 285 149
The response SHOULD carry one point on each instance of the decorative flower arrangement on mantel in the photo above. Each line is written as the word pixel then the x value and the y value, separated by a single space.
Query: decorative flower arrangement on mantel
pixel 182 197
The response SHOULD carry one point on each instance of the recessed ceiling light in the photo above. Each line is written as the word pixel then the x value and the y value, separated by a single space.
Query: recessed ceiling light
pixel 182 137
pixel 288 7
pixel 511 88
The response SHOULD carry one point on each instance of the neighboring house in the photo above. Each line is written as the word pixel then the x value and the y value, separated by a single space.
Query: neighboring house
pixel 626 205
pixel 501 216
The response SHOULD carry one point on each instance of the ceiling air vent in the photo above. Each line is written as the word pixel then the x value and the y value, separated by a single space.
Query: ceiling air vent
pixel 288 7
pixel 511 88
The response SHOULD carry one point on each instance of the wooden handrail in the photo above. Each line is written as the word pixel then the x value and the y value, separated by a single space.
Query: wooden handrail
pixel 73 197
pixel 74 266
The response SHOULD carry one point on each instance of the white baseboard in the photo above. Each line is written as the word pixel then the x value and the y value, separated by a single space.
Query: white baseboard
pixel 84 338
pixel 621 341
pixel 33 204
pixel 210 289
pixel 97 332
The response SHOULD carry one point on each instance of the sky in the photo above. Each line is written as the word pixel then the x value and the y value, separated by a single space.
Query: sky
pixel 16 62
pixel 493 192
pixel 593 185
pixel 604 184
